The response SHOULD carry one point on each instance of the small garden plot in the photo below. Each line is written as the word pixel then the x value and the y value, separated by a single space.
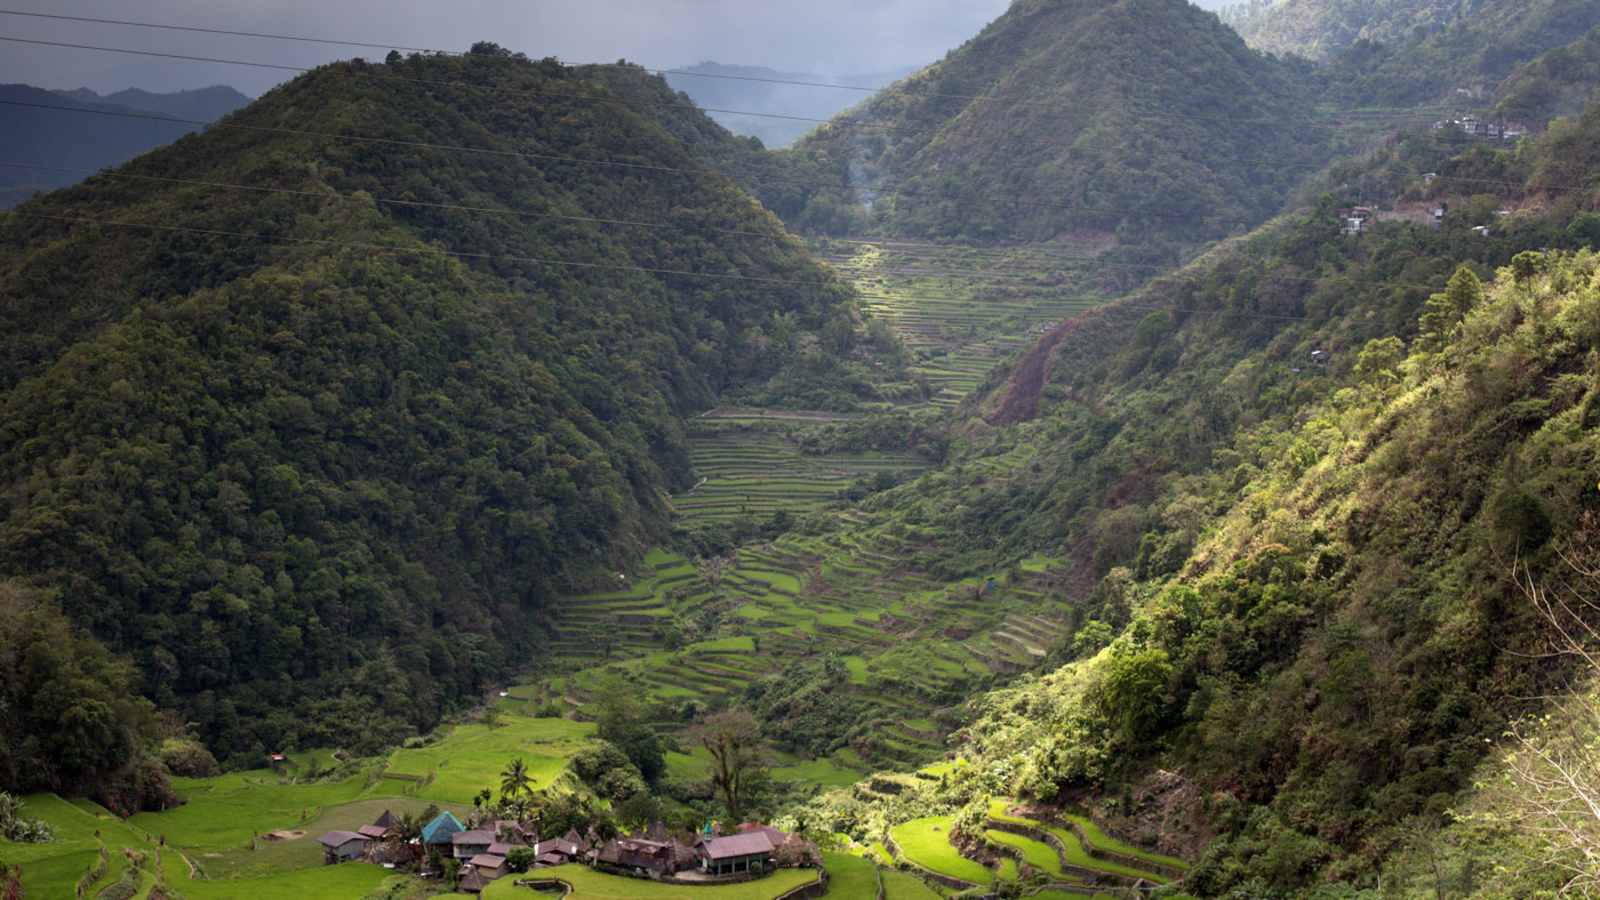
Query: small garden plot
pixel 588 884
pixel 926 843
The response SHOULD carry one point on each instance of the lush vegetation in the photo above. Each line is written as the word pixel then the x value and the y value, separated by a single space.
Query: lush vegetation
pixel 319 492
pixel 1404 52
pixel 1297 476
pixel 1142 123
pixel 71 718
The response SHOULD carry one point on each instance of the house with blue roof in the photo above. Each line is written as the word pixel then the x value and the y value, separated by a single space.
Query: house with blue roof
pixel 441 828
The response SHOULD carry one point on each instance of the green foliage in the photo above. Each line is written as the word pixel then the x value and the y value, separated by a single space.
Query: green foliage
pixel 188 758
pixel 520 859
pixel 70 719
pixel 1394 52
pixel 1135 692
pixel 1355 441
pixel 18 829
pixel 318 494
pixel 1444 311
pixel 1070 115
pixel 621 720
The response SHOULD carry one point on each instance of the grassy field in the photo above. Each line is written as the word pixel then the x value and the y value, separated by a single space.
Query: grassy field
pixel 275 857
pixel 471 757
pixel 217 830
pixel 588 884
pixel 925 842
pixel 53 869
pixel 227 811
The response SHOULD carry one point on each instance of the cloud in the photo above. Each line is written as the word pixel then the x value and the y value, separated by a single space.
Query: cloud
pixel 831 37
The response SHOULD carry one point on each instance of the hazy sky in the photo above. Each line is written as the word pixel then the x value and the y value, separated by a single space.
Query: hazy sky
pixel 823 36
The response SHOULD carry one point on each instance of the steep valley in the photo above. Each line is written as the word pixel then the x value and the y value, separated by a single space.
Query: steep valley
pixel 1111 461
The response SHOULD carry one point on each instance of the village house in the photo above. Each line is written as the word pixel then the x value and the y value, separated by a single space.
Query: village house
pixel 464 845
pixel 750 851
pixel 439 831
pixel 482 869
pixel 342 846
pixel 639 856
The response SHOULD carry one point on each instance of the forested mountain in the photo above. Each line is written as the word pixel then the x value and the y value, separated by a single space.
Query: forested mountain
pixel 1558 83
pixel 752 101
pixel 70 145
pixel 313 450
pixel 1394 52
pixel 1145 121
pixel 205 104
pixel 1303 485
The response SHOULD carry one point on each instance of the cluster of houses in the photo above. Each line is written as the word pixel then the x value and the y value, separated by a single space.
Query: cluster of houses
pixel 752 849
pixel 1482 128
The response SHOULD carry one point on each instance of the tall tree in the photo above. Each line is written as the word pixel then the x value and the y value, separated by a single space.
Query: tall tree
pixel 622 721
pixel 739 756
pixel 514 781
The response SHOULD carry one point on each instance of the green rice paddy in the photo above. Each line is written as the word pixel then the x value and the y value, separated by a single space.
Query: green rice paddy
pixel 1094 855
pixel 752 469
pixel 960 328
pixel 471 757
pixel 925 843
pixel 907 643
pixel 850 876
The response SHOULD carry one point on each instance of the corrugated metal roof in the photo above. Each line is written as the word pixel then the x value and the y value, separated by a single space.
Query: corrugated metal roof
pixel 747 844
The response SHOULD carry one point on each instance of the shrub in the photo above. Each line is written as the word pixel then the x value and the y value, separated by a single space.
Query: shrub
pixel 188 758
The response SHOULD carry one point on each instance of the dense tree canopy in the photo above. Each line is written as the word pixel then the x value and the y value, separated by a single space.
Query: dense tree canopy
pixel 314 452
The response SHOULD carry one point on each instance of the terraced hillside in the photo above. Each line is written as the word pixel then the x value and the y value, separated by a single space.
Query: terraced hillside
pixel 1068 853
pixel 962 310
pixel 750 467
pixel 909 645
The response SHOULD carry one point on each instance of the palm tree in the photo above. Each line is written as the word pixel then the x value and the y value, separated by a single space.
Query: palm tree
pixel 514 781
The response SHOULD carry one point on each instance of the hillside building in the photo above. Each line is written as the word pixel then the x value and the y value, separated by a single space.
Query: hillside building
pixel 464 845
pixel 750 851
pixel 440 829
pixel 342 846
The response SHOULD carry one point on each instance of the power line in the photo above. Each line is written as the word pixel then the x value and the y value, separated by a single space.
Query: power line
pixel 881 187
pixel 860 268
pixel 381 46
pixel 833 123
pixel 782 237
pixel 1095 299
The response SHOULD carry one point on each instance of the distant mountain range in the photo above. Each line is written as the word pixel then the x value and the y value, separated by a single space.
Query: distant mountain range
pixel 78 132
pixel 749 100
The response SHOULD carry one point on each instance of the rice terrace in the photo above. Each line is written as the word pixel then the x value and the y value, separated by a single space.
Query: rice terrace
pixel 716 450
